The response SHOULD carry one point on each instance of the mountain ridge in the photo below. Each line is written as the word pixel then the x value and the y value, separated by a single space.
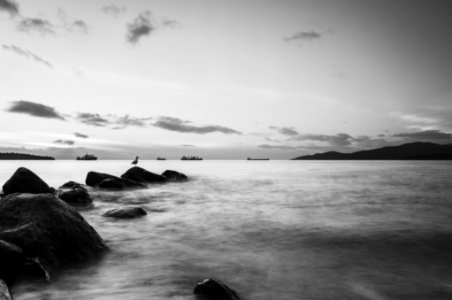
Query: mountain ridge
pixel 408 151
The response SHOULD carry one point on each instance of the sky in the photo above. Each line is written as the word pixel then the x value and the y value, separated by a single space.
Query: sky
pixel 222 79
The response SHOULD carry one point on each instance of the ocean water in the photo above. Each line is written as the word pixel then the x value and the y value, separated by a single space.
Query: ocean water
pixel 281 230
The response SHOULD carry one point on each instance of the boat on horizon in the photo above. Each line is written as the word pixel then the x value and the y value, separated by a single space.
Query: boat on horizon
pixel 87 157
pixel 249 158
pixel 161 158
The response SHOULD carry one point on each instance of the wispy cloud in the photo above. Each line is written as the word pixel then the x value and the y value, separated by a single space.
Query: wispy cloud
pixel 34 109
pixel 141 26
pixel 114 9
pixel 27 53
pixel 92 119
pixel 175 124
pixel 310 35
pixel 113 121
pixel 289 131
pixel 9 6
pixel 340 139
pixel 279 147
pixel 64 142
pixel 425 135
pixel 81 135
pixel 72 24
pixel 36 24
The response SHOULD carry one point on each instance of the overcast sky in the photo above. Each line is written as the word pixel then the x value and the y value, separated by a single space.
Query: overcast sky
pixel 223 79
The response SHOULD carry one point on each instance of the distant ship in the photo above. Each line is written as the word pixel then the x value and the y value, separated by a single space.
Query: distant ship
pixel 87 157
pixel 191 158
pixel 249 158
pixel 161 158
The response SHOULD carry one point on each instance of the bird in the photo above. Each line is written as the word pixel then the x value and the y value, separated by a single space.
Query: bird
pixel 135 161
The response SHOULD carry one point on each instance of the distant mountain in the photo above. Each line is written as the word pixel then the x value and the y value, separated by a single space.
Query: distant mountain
pixel 23 156
pixel 414 151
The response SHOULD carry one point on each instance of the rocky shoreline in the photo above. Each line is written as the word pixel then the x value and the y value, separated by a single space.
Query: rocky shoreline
pixel 41 230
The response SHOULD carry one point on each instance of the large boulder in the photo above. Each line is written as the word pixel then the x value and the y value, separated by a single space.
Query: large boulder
pixel 94 178
pixel 119 184
pixel 126 212
pixel 71 185
pixel 25 181
pixel 174 175
pixel 4 292
pixel 141 175
pixel 76 196
pixel 47 228
pixel 211 289
pixel 12 260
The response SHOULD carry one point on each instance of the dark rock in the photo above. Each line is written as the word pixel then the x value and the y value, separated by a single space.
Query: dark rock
pixel 25 181
pixel 12 260
pixel 94 178
pixel 174 175
pixel 141 175
pixel 47 228
pixel 76 196
pixel 71 185
pixel 4 292
pixel 119 184
pixel 211 289
pixel 126 212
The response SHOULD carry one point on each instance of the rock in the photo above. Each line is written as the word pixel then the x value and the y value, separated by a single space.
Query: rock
pixel 94 178
pixel 119 184
pixel 4 292
pixel 25 181
pixel 211 289
pixel 141 175
pixel 12 260
pixel 76 196
pixel 174 175
pixel 47 228
pixel 71 185
pixel 126 212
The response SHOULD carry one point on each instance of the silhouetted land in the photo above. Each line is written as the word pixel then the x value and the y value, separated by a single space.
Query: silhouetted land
pixel 410 151
pixel 23 156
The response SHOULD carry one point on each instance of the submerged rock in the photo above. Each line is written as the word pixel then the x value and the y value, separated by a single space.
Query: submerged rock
pixel 211 289
pixel 94 178
pixel 174 175
pixel 71 185
pixel 47 228
pixel 12 260
pixel 4 292
pixel 76 196
pixel 141 175
pixel 126 212
pixel 119 184
pixel 25 181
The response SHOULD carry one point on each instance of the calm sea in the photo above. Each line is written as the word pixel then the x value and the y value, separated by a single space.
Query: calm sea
pixel 269 229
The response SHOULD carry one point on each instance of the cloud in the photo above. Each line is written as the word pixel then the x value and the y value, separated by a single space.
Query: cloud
pixel 81 135
pixel 114 9
pixel 175 124
pixel 116 122
pixel 34 109
pixel 425 135
pixel 279 147
pixel 304 35
pixel 170 23
pixel 64 142
pixel 92 119
pixel 9 6
pixel 289 131
pixel 72 24
pixel 340 139
pixel 36 24
pixel 27 53
pixel 141 26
